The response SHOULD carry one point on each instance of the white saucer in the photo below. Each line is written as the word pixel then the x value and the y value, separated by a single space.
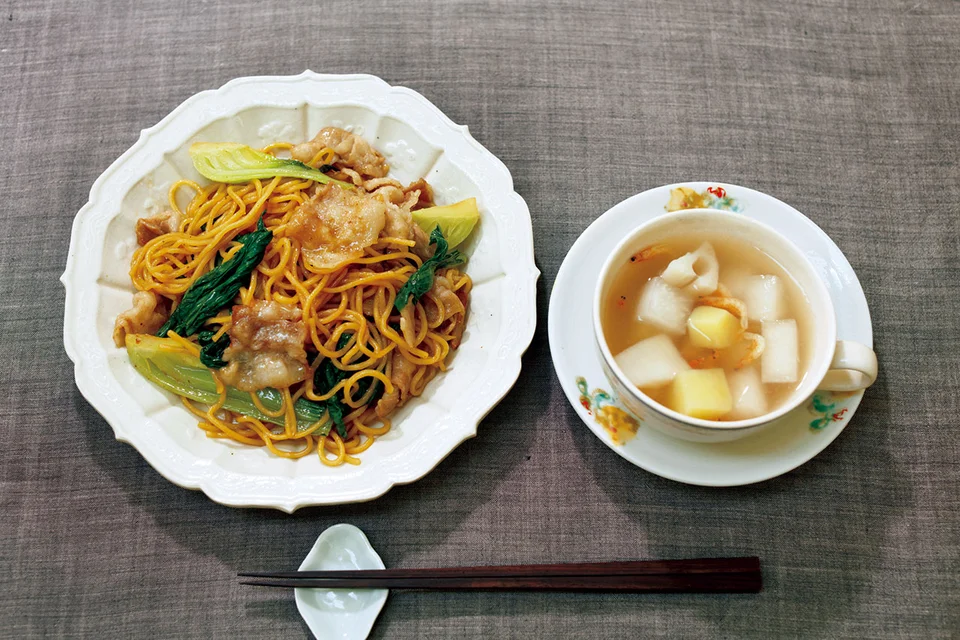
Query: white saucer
pixel 800 436
pixel 341 614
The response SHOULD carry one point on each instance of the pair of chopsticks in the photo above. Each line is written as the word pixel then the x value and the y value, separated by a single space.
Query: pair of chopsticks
pixel 706 575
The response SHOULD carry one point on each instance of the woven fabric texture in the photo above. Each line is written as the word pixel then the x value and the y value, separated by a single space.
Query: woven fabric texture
pixel 848 111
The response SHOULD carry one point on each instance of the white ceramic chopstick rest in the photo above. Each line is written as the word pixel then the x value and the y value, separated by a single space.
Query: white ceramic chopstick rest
pixel 344 614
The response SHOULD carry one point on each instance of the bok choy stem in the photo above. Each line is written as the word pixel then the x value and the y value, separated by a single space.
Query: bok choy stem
pixel 231 163
pixel 171 367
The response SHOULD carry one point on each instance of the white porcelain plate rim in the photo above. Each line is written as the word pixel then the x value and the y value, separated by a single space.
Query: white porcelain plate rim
pixel 292 489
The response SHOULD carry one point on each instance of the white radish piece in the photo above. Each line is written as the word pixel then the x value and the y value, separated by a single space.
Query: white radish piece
pixel 749 398
pixel 735 277
pixel 707 269
pixel 765 297
pixel 780 359
pixel 651 363
pixel 680 273
pixel 664 307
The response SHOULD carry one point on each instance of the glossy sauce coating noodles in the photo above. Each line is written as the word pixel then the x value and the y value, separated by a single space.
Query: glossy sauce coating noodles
pixel 336 310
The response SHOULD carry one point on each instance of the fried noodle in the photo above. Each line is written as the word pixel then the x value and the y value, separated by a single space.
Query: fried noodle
pixel 356 298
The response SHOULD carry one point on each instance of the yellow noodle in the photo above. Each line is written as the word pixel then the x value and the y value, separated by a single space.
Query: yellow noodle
pixel 354 298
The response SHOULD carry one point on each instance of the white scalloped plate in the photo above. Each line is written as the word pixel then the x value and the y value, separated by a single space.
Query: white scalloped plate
pixel 418 140
pixel 795 439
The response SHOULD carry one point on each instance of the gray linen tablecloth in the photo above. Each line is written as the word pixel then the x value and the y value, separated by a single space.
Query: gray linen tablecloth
pixel 848 111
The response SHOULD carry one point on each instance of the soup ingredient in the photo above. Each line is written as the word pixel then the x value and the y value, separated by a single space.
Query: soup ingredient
pixel 679 273
pixel 664 307
pixel 733 278
pixel 713 328
pixel 456 221
pixel 168 365
pixel 218 287
pixel 765 297
pixel 757 345
pixel 651 252
pixel 707 268
pixel 336 225
pixel 779 361
pixel 651 363
pixel 733 305
pixel 147 315
pixel 422 279
pixel 718 332
pixel 701 393
pixel 232 163
pixel 266 347
pixel 351 150
pixel 749 397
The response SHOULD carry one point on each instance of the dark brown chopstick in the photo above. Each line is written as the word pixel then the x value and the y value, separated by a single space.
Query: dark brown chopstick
pixel 713 575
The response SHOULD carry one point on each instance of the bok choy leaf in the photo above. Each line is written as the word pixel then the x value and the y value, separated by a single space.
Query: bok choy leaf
pixel 218 287
pixel 165 363
pixel 231 162
pixel 422 279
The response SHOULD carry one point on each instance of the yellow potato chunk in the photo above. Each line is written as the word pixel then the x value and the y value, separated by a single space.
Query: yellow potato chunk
pixel 713 328
pixel 701 393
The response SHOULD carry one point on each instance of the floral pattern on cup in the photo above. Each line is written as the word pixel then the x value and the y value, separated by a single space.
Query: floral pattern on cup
pixel 828 407
pixel 710 198
pixel 621 425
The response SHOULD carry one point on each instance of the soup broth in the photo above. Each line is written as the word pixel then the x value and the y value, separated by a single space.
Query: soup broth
pixel 660 326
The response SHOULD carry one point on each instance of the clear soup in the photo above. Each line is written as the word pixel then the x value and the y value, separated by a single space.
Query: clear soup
pixel 750 349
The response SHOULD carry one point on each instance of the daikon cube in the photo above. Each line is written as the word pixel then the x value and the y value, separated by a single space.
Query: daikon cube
pixel 665 307
pixel 701 393
pixel 651 363
pixel 765 297
pixel 780 359
pixel 735 277
pixel 749 397
pixel 712 328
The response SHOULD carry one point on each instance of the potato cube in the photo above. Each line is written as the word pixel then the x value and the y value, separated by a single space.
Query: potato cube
pixel 712 328
pixel 664 307
pixel 765 297
pixel 749 398
pixel 701 393
pixel 780 359
pixel 651 363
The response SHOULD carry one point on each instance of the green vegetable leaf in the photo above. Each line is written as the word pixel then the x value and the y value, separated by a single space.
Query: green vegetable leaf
pixel 422 279
pixel 170 367
pixel 336 408
pixel 325 378
pixel 211 352
pixel 218 287
pixel 231 162
pixel 328 375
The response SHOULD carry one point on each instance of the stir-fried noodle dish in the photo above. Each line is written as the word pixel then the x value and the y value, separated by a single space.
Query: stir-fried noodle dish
pixel 301 297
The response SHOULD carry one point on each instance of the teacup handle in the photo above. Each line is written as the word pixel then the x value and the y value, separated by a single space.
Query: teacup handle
pixel 854 367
